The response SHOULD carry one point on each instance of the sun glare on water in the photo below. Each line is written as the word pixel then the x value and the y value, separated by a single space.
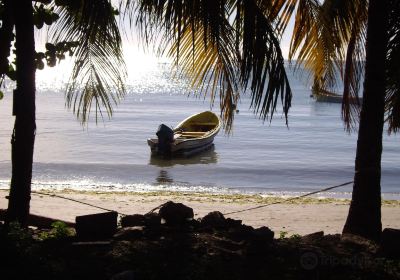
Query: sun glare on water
pixel 140 65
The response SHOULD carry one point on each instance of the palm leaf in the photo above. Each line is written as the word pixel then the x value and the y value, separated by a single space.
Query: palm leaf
pixel 219 54
pixel 349 18
pixel 353 73
pixel 282 11
pixel 313 42
pixel 328 39
pixel 99 71
pixel 262 62
pixel 199 38
pixel 211 68
pixel 392 104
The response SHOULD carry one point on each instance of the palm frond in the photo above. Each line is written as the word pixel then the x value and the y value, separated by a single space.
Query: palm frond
pixel 313 42
pixel 282 11
pixel 211 69
pixel 99 71
pixel 198 35
pixel 329 40
pixel 262 62
pixel 392 104
pixel 349 20
pixel 219 54
pixel 353 73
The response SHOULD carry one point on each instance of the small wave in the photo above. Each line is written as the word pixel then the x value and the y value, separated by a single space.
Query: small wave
pixel 89 185
pixel 93 186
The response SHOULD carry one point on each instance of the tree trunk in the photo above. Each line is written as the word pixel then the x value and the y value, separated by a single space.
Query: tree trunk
pixel 364 216
pixel 23 137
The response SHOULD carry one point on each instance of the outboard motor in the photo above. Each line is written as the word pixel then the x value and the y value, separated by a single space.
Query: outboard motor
pixel 165 138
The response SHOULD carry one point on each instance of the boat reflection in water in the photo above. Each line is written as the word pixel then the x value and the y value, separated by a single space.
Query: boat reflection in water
pixel 164 177
pixel 206 157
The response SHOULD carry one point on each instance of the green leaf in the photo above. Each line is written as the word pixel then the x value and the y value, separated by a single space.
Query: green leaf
pixel 39 64
pixel 50 47
pixel 47 18
pixel 97 81
pixel 11 73
pixel 1 95
pixel 54 17
pixel 40 55
pixel 39 24
pixel 51 61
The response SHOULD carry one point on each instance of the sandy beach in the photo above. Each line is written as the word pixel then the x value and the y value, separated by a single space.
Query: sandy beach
pixel 301 216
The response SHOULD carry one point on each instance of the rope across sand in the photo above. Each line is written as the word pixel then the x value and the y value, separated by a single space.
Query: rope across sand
pixel 302 216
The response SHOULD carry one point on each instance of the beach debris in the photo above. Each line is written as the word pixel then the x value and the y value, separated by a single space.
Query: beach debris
pixel 195 224
pixel 312 237
pixel 225 249
pixel 129 233
pixel 263 235
pixel 390 242
pixel 240 233
pixel 358 242
pixel 257 240
pixel 176 213
pixel 132 220
pixel 233 222
pixel 96 226
pixel 38 221
pixel 235 228
pixel 152 220
pixel 214 219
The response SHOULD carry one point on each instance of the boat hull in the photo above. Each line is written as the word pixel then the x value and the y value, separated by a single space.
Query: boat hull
pixel 193 135
pixel 326 96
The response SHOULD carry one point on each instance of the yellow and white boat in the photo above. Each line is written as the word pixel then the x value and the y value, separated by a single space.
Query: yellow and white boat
pixel 194 134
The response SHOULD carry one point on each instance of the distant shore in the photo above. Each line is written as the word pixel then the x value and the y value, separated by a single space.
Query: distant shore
pixel 300 216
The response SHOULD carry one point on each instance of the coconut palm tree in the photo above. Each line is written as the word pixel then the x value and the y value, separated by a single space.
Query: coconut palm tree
pixel 88 31
pixel 358 38
pixel 228 46
pixel 364 216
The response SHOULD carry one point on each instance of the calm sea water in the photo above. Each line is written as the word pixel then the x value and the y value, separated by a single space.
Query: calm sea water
pixel 269 158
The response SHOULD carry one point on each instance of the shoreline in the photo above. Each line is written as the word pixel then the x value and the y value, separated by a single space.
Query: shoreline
pixel 144 189
pixel 300 216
